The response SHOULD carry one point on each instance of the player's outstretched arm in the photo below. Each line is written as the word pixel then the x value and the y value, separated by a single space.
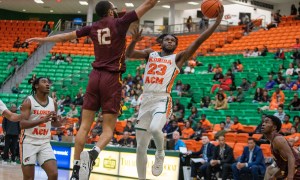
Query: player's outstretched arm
pixel 188 53
pixel 286 152
pixel 56 38
pixel 145 7
pixel 131 52
pixel 8 114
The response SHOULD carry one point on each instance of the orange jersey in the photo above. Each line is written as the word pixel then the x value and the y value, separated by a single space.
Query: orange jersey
pixel 236 127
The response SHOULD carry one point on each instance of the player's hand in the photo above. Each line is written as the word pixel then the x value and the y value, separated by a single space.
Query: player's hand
pixel 49 117
pixel 137 35
pixel 38 40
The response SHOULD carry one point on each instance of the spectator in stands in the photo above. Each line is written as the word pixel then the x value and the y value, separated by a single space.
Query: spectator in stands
pixel 229 73
pixel 228 123
pixel 293 10
pixel 270 84
pixel 53 57
pixel 264 51
pixel 280 113
pixel 258 127
pixel 286 125
pixel 134 101
pixel 78 100
pixel 295 103
pixel 198 131
pixel 221 131
pixel 25 45
pixel 93 138
pixel 11 130
pixel 265 96
pixel 61 100
pixel 73 111
pixel 70 131
pixel 126 140
pixel 61 111
pixel 210 68
pixel 193 118
pixel 206 152
pixel 281 69
pixel 187 91
pixel 17 43
pixel 290 71
pixel 69 59
pixel 230 98
pixel 123 106
pixel 179 86
pixel 295 136
pixel 221 160
pixel 178 142
pixel 252 161
pixel 218 75
pixel 247 53
pixel 171 128
pixel 240 97
pixel 46 28
pixel 190 68
pixel 279 54
pixel 297 45
pixel 205 124
pixel 275 20
pixel 189 22
pixel 255 53
pixel 280 80
pixel 187 132
pixel 87 40
pixel 245 85
pixel 98 125
pixel 258 95
pixel 53 96
pixel 205 102
pixel 296 121
pixel 60 58
pixel 224 84
pixel 234 67
pixel 239 66
pixel 278 98
pixel 176 111
pixel 236 126
pixel 13 63
pixel 129 128
pixel 67 101
pixel 16 89
pixel 217 68
pixel 221 102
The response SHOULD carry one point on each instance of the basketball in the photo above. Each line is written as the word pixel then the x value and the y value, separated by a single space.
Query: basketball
pixel 211 8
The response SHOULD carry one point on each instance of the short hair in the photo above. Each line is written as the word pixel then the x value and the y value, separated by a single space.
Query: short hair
pixel 203 115
pixel 276 121
pixel 102 8
pixel 288 116
pixel 161 37
pixel 221 136
pixel 280 105
pixel 251 139
pixel 222 122
pixel 228 116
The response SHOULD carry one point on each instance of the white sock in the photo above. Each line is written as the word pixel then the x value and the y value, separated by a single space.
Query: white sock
pixel 76 162
pixel 97 149
pixel 143 139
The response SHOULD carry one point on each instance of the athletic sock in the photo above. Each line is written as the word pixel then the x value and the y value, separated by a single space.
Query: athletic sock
pixel 95 152
pixel 76 162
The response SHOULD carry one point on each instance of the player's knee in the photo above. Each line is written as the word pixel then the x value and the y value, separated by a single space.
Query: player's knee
pixel 28 177
pixel 53 175
pixel 155 131
pixel 141 149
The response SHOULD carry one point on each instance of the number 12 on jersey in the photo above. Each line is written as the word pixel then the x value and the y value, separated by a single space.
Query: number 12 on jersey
pixel 104 36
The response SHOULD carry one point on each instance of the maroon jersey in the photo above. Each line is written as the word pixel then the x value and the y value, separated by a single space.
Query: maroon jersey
pixel 109 38
pixel 282 163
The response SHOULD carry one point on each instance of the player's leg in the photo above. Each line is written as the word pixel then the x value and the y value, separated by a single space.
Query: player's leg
pixel 28 172
pixel 47 160
pixel 142 139
pixel 50 168
pixel 28 159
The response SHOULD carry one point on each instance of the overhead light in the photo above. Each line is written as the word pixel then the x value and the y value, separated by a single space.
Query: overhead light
pixel 84 3
pixel 166 6
pixel 79 12
pixel 51 10
pixel 129 5
pixel 24 10
pixel 39 1
pixel 158 1
pixel 193 3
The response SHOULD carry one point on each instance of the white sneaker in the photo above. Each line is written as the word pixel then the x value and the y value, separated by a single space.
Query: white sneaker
pixel 158 165
pixel 86 165
pixel 4 162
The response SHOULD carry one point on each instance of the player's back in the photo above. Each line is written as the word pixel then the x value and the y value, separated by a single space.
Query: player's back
pixel 39 134
pixel 160 73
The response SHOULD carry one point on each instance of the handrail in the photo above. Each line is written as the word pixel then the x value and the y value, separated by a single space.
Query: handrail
pixel 57 26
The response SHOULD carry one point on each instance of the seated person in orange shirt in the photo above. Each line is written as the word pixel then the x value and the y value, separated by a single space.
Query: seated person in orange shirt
pixel 93 138
pixel 239 66
pixel 236 126
pixel 295 136
pixel 205 123
pixel 187 132
pixel 217 67
pixel 126 140
pixel 286 125
pixel 278 98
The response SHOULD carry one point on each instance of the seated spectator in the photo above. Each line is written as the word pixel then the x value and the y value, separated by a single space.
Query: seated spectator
pixel 13 63
pixel 221 102
pixel 280 113
pixel 264 51
pixel 205 122
pixel 169 130
pixel 186 91
pixel 61 111
pixel 252 161
pixel 270 84
pixel 210 68
pixel 240 97
pixel 46 28
pixel 190 68
pixel 16 89
pixel 98 126
pixel 134 101
pixel 258 127
pixel 73 111
pixel 228 123
pixel 67 101
pixel 224 84
pixel 17 43
pixel 281 69
pixel 217 68
pixel 187 132
pixel 179 86
pixel 60 58
pixel 293 10
pixel 295 103
pixel 236 126
pixel 93 138
pixel 69 59
pixel 193 118
pixel 247 53
pixel 279 54
pixel 53 57
pixel 178 142
pixel 280 80
pixel 230 98
pixel 87 40
pixel 275 20
pixel 297 45
pixel 205 102
pixel 240 67
pixel 286 125
pixel 30 81
pixel 198 132
pixel 126 140
pixel 265 97
pixel 141 67
pixel 222 131
pixel 277 98
pixel 61 100
pixel 221 160
pixel 79 100
pixel 245 84
pixel 296 121
pixel 290 71
pixel 206 152
pixel 295 136
pixel 129 128
pixel 234 67
pixel 218 75
pixel 258 95
pixel 70 132
pixel 255 53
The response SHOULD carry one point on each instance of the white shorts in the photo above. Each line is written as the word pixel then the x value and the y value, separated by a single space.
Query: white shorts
pixel 153 104
pixel 30 154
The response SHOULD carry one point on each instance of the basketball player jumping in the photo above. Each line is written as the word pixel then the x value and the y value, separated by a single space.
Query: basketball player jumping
pixel 38 113
pixel 287 160
pixel 160 73
pixel 104 87
pixel 7 113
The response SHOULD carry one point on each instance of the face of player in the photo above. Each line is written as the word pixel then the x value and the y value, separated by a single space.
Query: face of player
pixel 43 86
pixel 267 126
pixel 113 11
pixel 169 44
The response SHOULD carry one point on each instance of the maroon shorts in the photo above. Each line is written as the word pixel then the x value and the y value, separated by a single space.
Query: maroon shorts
pixel 103 91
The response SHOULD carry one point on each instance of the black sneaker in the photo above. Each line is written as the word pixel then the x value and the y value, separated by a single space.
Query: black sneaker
pixel 75 173
pixel 87 162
